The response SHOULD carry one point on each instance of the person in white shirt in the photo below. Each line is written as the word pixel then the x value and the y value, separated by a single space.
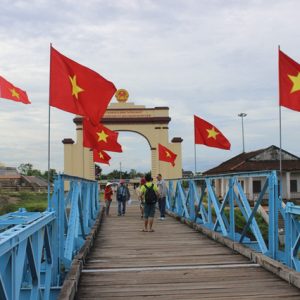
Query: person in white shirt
pixel 162 194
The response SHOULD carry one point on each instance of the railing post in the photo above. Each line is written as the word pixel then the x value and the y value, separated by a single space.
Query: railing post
pixel 60 213
pixel 288 235
pixel 231 207
pixel 191 200
pixel 209 212
pixel 273 215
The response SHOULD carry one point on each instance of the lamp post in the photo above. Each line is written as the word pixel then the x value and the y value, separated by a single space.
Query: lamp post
pixel 242 115
pixel 120 170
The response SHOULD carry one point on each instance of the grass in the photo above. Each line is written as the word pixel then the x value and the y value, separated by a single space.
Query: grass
pixel 32 201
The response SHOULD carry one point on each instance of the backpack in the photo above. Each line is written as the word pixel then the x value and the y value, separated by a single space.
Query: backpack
pixel 150 195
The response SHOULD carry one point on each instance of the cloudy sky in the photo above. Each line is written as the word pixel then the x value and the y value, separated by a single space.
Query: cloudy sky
pixel 211 58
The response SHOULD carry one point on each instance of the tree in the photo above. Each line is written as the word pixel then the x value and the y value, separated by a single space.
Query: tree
pixel 52 173
pixel 98 171
pixel 28 170
pixel 132 173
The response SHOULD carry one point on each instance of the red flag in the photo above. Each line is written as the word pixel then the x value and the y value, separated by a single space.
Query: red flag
pixel 209 135
pixel 289 82
pixel 78 89
pixel 101 156
pixel 166 154
pixel 11 92
pixel 99 137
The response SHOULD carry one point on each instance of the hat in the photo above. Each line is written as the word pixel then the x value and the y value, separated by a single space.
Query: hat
pixel 122 181
pixel 108 183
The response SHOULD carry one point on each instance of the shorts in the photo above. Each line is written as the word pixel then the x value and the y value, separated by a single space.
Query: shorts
pixel 149 210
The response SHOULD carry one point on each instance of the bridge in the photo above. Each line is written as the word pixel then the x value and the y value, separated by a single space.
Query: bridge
pixel 201 251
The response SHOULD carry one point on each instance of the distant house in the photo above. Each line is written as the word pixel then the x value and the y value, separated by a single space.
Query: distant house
pixel 261 160
pixel 11 179
pixel 187 174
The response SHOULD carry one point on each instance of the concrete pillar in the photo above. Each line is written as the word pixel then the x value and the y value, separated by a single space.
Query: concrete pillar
pixel 250 188
pixel 288 185
pixel 223 186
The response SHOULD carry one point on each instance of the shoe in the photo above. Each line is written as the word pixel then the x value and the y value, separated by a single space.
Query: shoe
pixel 162 218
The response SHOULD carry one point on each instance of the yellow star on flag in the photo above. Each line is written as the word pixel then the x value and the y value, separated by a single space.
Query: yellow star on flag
pixel 101 155
pixel 212 133
pixel 76 89
pixel 296 82
pixel 14 93
pixel 102 136
pixel 168 154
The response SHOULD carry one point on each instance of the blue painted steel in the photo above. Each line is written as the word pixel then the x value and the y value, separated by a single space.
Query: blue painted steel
pixel 199 203
pixel 36 249
pixel 292 235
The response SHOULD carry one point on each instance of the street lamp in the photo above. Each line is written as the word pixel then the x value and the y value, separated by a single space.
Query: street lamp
pixel 242 115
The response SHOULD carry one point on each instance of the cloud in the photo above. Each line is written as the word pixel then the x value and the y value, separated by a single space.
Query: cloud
pixel 214 59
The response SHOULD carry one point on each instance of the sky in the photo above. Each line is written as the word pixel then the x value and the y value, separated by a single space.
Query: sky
pixel 211 58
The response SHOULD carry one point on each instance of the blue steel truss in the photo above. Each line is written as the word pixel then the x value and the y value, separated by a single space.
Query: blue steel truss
pixel 196 200
pixel 292 235
pixel 36 249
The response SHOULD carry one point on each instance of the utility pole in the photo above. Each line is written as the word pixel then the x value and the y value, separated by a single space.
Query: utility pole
pixel 242 115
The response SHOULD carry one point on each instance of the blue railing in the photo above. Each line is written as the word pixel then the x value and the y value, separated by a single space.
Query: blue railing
pixel 292 236
pixel 36 249
pixel 196 200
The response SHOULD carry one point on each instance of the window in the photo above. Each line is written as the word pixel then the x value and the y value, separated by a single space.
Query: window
pixel 293 186
pixel 256 186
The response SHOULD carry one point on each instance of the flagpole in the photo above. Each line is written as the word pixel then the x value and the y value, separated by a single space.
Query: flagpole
pixel 280 147
pixel 195 159
pixel 49 116
pixel 82 159
pixel 280 144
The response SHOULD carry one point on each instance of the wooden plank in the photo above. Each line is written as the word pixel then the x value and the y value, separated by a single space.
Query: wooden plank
pixel 121 244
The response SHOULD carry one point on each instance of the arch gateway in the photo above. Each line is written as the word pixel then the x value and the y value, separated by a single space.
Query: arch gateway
pixel 151 123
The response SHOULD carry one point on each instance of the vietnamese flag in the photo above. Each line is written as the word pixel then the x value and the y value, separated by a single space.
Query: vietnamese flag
pixel 77 89
pixel 11 92
pixel 101 156
pixel 99 137
pixel 166 154
pixel 209 135
pixel 289 82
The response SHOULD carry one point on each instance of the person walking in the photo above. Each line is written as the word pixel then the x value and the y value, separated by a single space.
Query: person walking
pixel 150 193
pixel 108 192
pixel 162 194
pixel 123 195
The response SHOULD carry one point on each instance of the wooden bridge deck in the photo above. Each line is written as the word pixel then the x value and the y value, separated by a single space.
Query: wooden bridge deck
pixel 174 262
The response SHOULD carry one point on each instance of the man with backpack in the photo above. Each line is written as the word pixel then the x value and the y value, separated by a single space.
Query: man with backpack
pixel 150 192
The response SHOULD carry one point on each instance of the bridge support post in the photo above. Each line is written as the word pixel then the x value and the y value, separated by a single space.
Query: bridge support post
pixel 231 212
pixel 273 214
